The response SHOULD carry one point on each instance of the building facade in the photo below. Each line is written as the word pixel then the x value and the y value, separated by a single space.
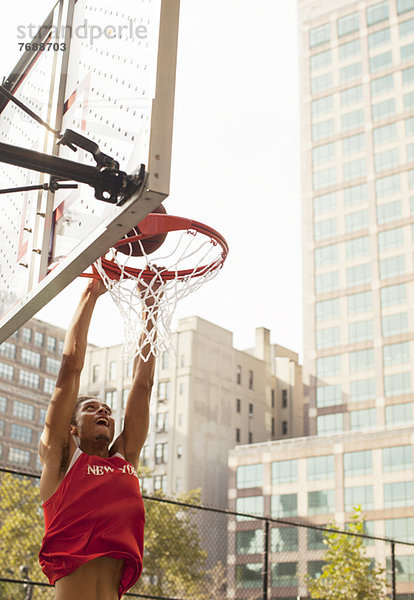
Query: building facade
pixel 357 102
pixel 29 363
pixel 207 398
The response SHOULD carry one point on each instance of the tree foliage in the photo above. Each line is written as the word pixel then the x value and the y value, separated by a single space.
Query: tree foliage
pixel 348 574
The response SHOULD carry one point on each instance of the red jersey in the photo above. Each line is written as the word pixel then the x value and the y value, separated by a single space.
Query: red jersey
pixel 96 511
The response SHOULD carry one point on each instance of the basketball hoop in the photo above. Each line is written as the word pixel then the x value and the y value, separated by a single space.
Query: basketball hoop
pixel 147 294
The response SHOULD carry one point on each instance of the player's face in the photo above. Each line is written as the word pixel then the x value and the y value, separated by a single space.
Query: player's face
pixel 94 420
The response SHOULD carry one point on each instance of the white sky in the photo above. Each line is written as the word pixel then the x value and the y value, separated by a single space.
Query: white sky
pixel 236 162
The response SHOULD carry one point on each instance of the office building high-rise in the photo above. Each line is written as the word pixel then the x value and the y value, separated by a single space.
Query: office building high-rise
pixel 357 103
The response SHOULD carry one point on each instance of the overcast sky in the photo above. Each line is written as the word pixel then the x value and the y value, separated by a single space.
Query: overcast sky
pixel 236 162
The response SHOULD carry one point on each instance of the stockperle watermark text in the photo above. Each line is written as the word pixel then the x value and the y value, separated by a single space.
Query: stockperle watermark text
pixel 85 31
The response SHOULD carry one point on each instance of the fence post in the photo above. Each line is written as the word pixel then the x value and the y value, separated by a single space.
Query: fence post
pixel 393 584
pixel 266 561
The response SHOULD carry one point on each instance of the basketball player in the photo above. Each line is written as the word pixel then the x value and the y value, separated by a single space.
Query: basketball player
pixel 94 514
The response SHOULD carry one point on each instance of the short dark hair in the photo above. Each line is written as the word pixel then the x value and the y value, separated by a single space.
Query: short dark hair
pixel 79 401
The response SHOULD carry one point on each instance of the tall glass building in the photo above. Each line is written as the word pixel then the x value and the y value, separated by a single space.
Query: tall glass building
pixel 357 103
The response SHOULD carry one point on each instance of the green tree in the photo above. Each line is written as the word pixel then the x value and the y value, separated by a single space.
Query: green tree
pixel 348 574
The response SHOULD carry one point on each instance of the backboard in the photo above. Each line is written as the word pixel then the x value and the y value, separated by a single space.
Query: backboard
pixel 106 71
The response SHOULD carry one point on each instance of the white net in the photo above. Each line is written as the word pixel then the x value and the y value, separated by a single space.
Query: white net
pixel 147 296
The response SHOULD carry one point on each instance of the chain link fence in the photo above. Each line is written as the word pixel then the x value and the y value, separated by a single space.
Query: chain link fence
pixel 197 553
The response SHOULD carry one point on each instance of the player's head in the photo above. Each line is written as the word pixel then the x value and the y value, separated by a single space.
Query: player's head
pixel 92 420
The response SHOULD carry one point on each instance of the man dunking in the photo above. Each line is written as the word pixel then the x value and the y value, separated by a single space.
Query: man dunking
pixel 94 514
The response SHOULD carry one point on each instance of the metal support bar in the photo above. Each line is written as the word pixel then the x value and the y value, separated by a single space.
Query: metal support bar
pixel 266 560
pixel 393 578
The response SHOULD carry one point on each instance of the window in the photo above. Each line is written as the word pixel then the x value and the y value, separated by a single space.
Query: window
pixel 389 212
pixel 324 178
pixel 316 540
pixel 95 373
pixel 111 398
pixel 410 152
pixel 392 267
pixel 384 134
pixel 29 379
pixel 249 476
pixel 323 153
pixel 328 338
pixel 180 451
pixel 384 109
pixel 359 303
pixel 354 143
pixel 396 354
pixel 321 502
pixel 52 365
pixel 392 238
pixel 48 385
pixel 404 6
pixel 359 246
pixel 386 160
pixel 39 339
pixel 19 457
pixel 112 370
pixel 51 343
pixel 238 374
pixel 381 61
pixel 397 384
pixel 328 365
pixel 321 467
pixel 6 371
pixel 397 458
pixel 323 129
pixel 251 380
pixel 160 483
pixel 251 505
pixel 125 394
pixel 284 398
pixel 319 35
pixel 285 574
pixel 382 85
pixel 26 335
pixel 398 494
pixel 363 419
pixel 163 390
pixel 320 60
pixel 322 106
pixel 409 126
pixel 356 194
pixel 358 275
pixel 329 424
pixel 327 282
pixel 354 169
pixel 352 119
pixel 273 398
pixel 349 49
pixel 238 405
pixel 406 28
pixel 361 360
pixel 161 453
pixel 400 529
pixel 321 83
pixel 284 471
pixel 379 38
pixel 327 310
pixel 248 575
pixel 398 414
pixel 360 331
pixel 408 76
pixel 164 360
pixel 362 390
pixel 328 395
pixel 324 203
pixel 356 220
pixel 395 324
pixel 361 495
pixel 357 463
pixel 393 295
pixel 377 13
pixel 30 358
pixel 284 427
pixel 387 185
pixel 327 255
pixel 408 101
pixel 249 542
pixel 284 505
pixel 20 433
pixel 237 435
pixel 3 403
pixel 284 539
pixel 23 410
pixel 8 350
pixel 348 24
pixel 351 95
pixel 60 345
pixel 407 53
pixel 350 72
pixel 325 229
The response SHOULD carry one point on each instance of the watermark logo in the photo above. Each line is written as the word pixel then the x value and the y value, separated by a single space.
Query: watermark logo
pixel 86 31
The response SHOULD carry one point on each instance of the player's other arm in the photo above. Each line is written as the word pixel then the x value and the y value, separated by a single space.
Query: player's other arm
pixel 132 438
pixel 55 440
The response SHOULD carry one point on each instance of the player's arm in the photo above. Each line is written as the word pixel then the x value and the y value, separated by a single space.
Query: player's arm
pixel 136 422
pixel 55 439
